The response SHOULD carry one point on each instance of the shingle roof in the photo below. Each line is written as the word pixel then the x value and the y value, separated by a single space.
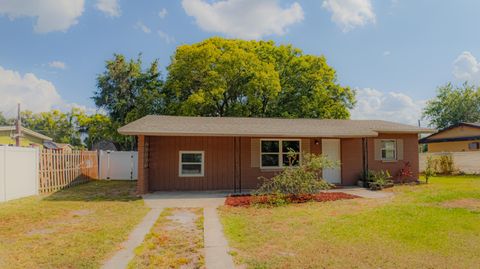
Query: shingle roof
pixel 26 131
pixel 231 126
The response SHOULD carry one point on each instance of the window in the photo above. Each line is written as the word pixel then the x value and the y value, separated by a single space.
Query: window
pixel 191 163
pixel 474 146
pixel 389 150
pixel 279 153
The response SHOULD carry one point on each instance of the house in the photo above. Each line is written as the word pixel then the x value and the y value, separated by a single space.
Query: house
pixel 459 137
pixel 219 153
pixel 29 138
pixel 58 146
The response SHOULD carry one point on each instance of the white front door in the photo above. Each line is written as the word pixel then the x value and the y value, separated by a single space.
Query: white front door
pixel 331 149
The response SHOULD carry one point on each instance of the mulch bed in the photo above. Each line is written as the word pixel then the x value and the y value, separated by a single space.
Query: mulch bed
pixel 247 200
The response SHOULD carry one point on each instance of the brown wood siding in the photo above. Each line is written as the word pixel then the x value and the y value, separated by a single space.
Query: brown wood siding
pixel 410 154
pixel 162 173
pixel 351 160
pixel 219 160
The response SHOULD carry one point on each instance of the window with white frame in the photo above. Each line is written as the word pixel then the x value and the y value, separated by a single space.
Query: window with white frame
pixel 276 153
pixel 389 150
pixel 191 164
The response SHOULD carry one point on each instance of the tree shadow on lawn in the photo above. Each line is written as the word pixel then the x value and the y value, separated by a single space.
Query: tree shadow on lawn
pixel 97 191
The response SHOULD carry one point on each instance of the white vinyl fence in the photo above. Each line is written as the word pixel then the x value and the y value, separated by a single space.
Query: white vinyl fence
pixel 18 172
pixel 120 165
pixel 466 162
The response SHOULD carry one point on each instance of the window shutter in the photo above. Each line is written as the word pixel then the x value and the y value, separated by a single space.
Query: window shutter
pixel 255 152
pixel 399 149
pixel 305 146
pixel 377 147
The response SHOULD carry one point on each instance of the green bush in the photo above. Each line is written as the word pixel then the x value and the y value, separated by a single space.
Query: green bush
pixel 295 180
pixel 442 164
pixel 378 180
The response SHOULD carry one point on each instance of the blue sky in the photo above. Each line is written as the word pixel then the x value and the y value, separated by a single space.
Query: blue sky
pixel 394 52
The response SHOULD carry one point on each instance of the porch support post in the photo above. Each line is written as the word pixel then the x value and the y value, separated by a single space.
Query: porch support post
pixel 237 165
pixel 365 160
pixel 142 181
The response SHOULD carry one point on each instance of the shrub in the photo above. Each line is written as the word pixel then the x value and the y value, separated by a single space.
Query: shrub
pixel 429 168
pixel 445 163
pixel 405 174
pixel 378 180
pixel 298 180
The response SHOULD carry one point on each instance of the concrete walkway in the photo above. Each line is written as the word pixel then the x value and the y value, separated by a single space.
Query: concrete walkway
pixel 364 193
pixel 216 245
pixel 123 257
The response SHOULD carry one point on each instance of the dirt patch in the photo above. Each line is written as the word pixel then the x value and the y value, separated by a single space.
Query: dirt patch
pixel 467 203
pixel 82 212
pixel 40 232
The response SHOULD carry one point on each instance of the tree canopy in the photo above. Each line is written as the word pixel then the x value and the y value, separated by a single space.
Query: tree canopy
pixel 126 91
pixel 228 77
pixel 452 105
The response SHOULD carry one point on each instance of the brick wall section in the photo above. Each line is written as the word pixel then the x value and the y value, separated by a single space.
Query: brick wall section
pixel 351 159
pixel 142 182
pixel 410 154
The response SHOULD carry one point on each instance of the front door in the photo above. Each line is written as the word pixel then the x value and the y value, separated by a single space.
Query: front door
pixel 331 149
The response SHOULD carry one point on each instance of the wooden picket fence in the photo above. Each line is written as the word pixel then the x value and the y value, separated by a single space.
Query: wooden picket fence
pixel 62 169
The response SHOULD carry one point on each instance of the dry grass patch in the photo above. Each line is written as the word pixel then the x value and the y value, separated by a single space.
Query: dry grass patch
pixel 74 228
pixel 175 241
pixel 467 203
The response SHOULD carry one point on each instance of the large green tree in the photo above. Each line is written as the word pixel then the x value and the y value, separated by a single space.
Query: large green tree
pixel 452 105
pixel 128 92
pixel 228 77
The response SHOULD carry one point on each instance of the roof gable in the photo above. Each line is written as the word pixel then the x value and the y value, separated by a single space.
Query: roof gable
pixel 458 132
pixel 26 131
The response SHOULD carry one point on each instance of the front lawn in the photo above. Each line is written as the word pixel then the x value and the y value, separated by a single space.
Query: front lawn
pixel 425 226
pixel 73 228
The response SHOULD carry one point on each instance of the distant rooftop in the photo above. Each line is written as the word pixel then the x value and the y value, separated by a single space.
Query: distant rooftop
pixel 26 131
pixel 256 127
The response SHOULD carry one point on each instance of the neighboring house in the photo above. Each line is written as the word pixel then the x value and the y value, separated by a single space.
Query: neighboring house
pixel 29 138
pixel 459 137
pixel 58 146
pixel 216 153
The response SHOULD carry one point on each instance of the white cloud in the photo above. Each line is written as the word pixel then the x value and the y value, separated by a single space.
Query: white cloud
pixel 248 19
pixel 33 93
pixel 391 106
pixel 141 26
pixel 467 68
pixel 167 38
pixel 387 53
pixel 348 14
pixel 163 13
pixel 57 64
pixel 51 15
pixel 111 8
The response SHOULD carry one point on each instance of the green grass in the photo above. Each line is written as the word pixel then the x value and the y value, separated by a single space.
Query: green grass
pixel 172 243
pixel 77 227
pixel 418 228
